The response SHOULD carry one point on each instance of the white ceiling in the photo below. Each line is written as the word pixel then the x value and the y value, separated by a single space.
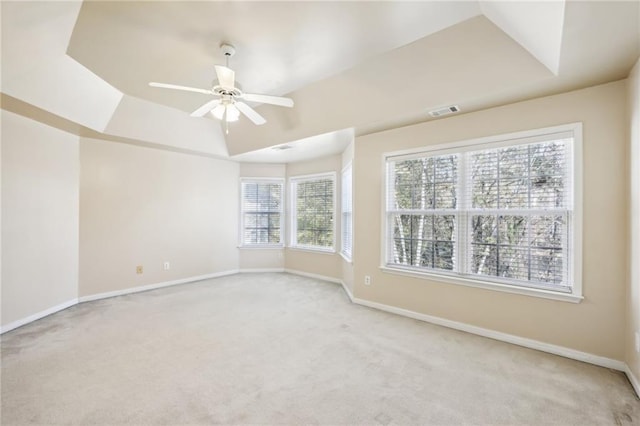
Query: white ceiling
pixel 281 46
pixel 363 66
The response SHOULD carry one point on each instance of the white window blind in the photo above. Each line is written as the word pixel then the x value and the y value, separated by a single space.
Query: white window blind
pixel 519 210
pixel 312 224
pixel 421 211
pixel 347 212
pixel 261 212
pixel 501 212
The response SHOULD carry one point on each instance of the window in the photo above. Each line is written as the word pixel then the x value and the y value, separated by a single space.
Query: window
pixel 312 223
pixel 261 212
pixel 499 211
pixel 347 216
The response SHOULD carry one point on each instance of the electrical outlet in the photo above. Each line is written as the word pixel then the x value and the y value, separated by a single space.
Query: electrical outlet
pixel 139 269
pixel 367 280
pixel 637 342
pixel 166 266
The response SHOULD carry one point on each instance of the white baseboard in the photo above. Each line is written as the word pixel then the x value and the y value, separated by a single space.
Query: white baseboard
pixel 72 302
pixel 496 335
pixel 347 290
pixel 633 379
pixel 155 286
pixel 504 337
pixel 316 276
pixel 324 278
pixel 37 316
pixel 260 270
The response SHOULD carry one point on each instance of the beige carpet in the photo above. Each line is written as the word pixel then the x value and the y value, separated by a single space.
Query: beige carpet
pixel 281 349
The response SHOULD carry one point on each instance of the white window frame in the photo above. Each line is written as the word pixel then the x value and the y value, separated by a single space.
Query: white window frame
pixel 346 252
pixel 278 181
pixel 293 181
pixel 511 139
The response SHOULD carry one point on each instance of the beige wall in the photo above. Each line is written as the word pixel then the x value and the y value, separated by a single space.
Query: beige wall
pixel 40 167
pixel 325 264
pixel 597 324
pixel 263 259
pixel 114 206
pixel 141 206
pixel 633 304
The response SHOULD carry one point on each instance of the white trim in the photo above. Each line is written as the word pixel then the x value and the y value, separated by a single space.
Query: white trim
pixel 575 270
pixel 259 270
pixel 263 179
pixel 155 286
pixel 52 310
pixel 496 335
pixel 384 225
pixel 347 168
pixel 487 285
pixel 261 247
pixel 487 142
pixel 346 258
pixel 312 275
pixel 347 290
pixel 635 383
pixel 314 176
pixel 312 249
pixel 503 337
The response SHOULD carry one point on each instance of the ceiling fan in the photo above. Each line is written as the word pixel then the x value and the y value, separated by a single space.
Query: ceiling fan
pixel 228 104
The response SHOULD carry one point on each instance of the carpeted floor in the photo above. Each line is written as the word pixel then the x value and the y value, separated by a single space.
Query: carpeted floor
pixel 282 349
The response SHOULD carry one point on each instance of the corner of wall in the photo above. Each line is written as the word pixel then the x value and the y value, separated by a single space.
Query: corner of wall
pixel 632 334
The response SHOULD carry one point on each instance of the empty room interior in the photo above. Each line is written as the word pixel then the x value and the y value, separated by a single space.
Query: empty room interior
pixel 376 213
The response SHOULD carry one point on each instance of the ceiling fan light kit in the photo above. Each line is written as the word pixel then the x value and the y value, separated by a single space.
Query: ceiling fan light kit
pixel 227 104
pixel 232 113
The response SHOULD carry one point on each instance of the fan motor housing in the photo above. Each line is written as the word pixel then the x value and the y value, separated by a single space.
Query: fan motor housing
pixel 227 49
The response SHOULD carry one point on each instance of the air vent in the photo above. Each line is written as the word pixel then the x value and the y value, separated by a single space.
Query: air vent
pixel 282 147
pixel 444 111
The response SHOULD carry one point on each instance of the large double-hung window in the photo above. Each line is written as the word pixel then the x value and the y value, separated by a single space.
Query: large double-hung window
pixel 500 212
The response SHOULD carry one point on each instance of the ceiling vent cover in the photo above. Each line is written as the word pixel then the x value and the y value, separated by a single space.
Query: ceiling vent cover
pixel 444 111
pixel 281 147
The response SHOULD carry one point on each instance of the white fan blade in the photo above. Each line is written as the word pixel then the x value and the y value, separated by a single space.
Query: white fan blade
pixel 200 112
pixel 226 76
pixel 266 99
pixel 176 87
pixel 250 113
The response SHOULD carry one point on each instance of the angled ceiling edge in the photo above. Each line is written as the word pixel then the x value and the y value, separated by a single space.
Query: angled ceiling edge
pixel 536 25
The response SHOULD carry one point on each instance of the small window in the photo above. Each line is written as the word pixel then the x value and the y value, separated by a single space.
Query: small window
pixel 261 212
pixel 347 213
pixel 500 210
pixel 312 218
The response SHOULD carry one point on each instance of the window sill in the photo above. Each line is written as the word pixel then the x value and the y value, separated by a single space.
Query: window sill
pixel 319 250
pixel 346 258
pixel 262 247
pixel 534 292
